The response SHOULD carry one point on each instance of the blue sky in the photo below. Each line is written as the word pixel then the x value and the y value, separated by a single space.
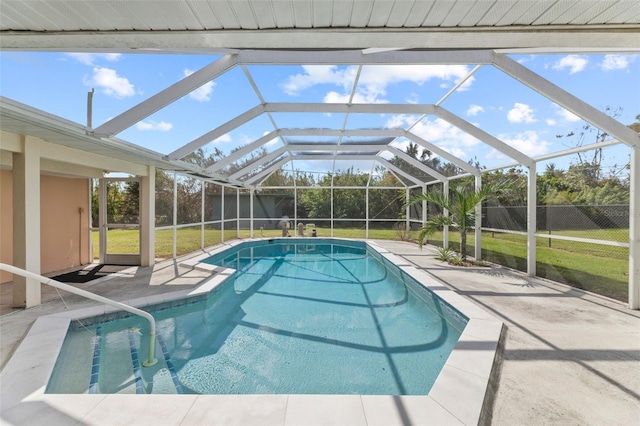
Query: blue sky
pixel 58 83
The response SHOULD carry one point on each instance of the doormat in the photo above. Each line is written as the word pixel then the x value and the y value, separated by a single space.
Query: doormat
pixel 89 274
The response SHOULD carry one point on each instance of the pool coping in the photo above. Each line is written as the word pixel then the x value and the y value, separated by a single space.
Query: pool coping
pixel 461 394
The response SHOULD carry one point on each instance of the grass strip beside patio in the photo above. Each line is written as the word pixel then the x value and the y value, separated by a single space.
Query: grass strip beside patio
pixel 597 268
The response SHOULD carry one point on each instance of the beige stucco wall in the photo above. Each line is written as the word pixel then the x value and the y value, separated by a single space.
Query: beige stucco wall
pixel 6 222
pixel 64 231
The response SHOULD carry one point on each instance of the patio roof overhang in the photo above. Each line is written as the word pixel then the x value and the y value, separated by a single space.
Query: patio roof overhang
pixel 215 26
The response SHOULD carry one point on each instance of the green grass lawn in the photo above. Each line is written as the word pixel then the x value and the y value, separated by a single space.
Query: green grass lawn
pixel 593 267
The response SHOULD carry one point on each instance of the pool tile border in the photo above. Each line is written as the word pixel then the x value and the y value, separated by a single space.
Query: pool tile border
pixel 459 395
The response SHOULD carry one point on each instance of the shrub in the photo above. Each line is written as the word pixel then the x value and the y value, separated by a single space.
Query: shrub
pixel 445 254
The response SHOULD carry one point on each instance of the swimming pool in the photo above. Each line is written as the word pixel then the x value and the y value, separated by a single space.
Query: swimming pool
pixel 298 317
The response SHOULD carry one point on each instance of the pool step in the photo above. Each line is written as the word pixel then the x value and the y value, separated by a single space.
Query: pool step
pixel 135 361
pixel 161 378
pixel 170 366
pixel 118 358
pixel 95 365
pixel 116 365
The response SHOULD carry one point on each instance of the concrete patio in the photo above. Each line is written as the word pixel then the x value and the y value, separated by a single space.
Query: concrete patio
pixel 570 357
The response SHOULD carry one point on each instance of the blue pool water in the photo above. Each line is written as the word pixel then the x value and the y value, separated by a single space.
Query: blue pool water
pixel 298 317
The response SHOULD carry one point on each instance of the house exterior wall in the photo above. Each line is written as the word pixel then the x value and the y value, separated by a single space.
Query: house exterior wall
pixel 64 229
pixel 6 222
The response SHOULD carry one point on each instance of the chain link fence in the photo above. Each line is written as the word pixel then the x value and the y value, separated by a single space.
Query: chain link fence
pixel 601 222
pixel 566 255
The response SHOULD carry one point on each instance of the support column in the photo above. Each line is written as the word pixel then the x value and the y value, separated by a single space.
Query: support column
pixel 148 218
pixel 478 226
pixel 407 213
pixel 445 212
pixel 366 213
pixel 252 191
pixel 531 221
pixel 634 231
pixel 102 219
pixel 175 214
pixel 425 206
pixel 237 213
pixel 295 210
pixel 332 207
pixel 222 214
pixel 89 217
pixel 26 222
pixel 203 184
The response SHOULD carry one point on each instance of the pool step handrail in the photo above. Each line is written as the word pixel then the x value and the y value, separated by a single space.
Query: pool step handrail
pixel 151 360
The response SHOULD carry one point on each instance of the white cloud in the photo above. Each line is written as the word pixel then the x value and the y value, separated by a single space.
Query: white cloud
pixel 224 138
pixel 202 93
pixel 110 82
pixel 273 141
pixel 373 81
pixel 359 98
pixel 413 99
pixel 521 113
pixel 615 62
pixel 319 74
pixel 526 59
pixel 474 110
pixel 567 115
pixel 563 116
pixel 439 132
pixel 163 126
pixel 528 142
pixel 90 58
pixel 575 63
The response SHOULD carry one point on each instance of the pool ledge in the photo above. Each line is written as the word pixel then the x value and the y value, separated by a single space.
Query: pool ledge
pixel 461 394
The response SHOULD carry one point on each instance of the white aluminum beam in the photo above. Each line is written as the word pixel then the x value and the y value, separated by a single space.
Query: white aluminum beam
pixel 346 108
pixel 330 157
pixel 540 38
pixel 458 84
pixel 390 166
pixel 356 57
pixel 266 172
pixel 576 150
pixel 531 220
pixel 444 154
pixel 333 148
pixel 566 100
pixel 478 225
pixel 238 154
pixel 297 107
pixel 217 132
pixel 634 231
pixel 445 212
pixel 256 164
pixel 165 97
pixel 382 133
pixel 389 133
pixel 416 163
pixel 483 136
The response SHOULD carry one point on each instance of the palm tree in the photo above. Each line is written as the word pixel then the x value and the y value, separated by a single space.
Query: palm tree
pixel 461 204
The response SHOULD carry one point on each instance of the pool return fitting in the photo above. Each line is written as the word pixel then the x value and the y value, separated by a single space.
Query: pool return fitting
pixel 151 360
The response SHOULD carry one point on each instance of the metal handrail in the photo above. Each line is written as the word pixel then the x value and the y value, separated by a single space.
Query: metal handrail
pixel 151 360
